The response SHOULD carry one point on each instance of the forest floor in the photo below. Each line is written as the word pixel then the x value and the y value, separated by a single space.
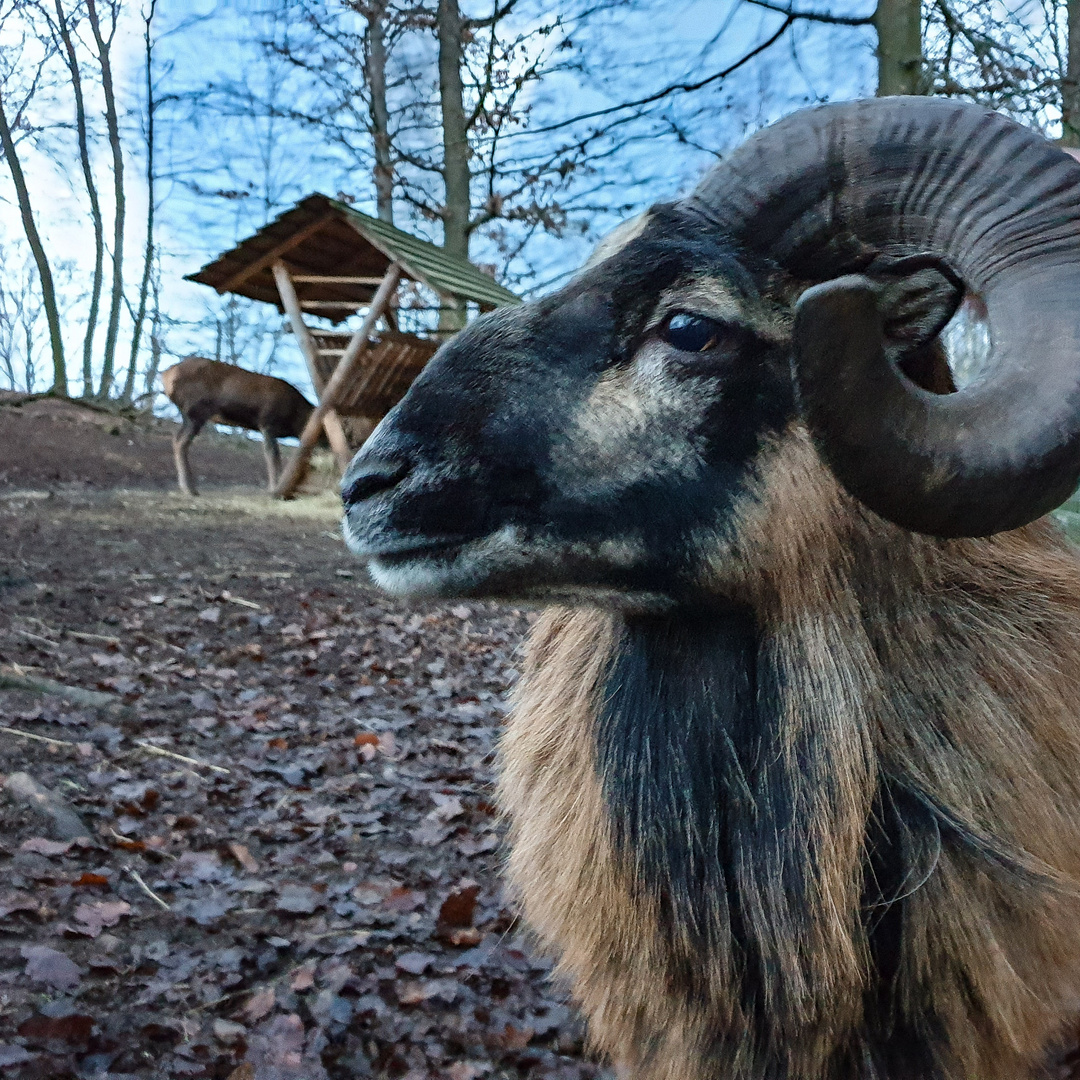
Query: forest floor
pixel 273 854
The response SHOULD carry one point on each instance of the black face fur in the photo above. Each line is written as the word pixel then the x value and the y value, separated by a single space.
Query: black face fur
pixel 565 450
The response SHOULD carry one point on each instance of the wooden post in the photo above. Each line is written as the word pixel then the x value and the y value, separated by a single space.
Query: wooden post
pixel 331 421
pixel 344 371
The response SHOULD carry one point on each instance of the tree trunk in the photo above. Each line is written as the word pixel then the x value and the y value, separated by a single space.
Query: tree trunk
pixel 1070 85
pixel 155 338
pixel 899 51
pixel 95 205
pixel 48 290
pixel 148 253
pixel 375 64
pixel 456 177
pixel 112 124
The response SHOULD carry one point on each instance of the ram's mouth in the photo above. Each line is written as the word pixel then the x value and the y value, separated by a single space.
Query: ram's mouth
pixel 397 552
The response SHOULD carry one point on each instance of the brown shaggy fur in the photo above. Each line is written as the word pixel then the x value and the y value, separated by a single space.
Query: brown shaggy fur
pixel 953 665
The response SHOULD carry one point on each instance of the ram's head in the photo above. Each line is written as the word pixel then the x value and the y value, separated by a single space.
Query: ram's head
pixel 593 444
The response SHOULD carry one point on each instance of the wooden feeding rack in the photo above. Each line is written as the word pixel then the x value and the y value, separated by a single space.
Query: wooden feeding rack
pixel 324 258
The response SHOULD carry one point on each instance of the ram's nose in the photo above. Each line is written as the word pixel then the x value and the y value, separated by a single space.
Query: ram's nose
pixel 368 476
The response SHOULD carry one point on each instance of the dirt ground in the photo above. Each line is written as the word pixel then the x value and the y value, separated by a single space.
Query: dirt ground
pixel 50 443
pixel 288 865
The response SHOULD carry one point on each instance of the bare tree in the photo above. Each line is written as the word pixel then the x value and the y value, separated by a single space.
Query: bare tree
pixel 1070 83
pixel 62 33
pixel 104 41
pixel 375 76
pixel 148 250
pixel 899 50
pixel 1022 62
pixel 156 341
pixel 8 124
pixel 431 124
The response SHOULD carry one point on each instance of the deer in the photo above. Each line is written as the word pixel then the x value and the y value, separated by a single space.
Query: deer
pixel 205 390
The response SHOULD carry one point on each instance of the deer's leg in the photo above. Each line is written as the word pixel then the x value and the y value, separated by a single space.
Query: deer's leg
pixel 188 430
pixel 273 460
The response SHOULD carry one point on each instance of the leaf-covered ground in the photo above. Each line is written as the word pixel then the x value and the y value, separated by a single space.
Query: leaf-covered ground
pixel 291 867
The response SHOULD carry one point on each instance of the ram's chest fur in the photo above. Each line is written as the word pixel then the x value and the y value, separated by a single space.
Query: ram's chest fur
pixel 751 822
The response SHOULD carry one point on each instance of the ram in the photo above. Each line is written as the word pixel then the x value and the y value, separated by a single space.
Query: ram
pixel 794 775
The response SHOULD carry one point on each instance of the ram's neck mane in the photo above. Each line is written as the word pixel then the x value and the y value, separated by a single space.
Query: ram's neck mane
pixel 805 777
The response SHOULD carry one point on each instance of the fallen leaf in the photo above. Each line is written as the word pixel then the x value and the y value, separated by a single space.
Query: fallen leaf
pixel 55 969
pixel 404 900
pixel 298 900
pixel 13 1055
pixel 95 917
pixel 128 845
pixel 415 963
pixel 228 1031
pixel 464 1070
pixel 470 846
pixel 242 1072
pixel 88 878
pixel 447 807
pixel 206 910
pixel 259 1004
pixel 411 993
pixel 464 938
pixel 459 908
pixel 17 901
pixel 430 833
pixel 513 1038
pixel 244 858
pixel 38 845
pixel 74 1029
pixel 303 978
pixel 279 1045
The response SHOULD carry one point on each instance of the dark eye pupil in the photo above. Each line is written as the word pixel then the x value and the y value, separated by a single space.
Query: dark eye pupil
pixel 690 333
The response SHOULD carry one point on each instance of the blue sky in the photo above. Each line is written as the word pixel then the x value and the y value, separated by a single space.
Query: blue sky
pixel 630 52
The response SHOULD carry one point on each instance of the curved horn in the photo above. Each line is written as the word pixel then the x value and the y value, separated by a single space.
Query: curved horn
pixel 822 194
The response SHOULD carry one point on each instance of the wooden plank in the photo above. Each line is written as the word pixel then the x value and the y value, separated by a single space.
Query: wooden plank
pixel 335 433
pixel 334 279
pixel 274 254
pixel 345 371
pixel 291 303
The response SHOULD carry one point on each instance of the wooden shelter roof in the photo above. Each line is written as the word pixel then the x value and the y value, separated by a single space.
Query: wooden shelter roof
pixel 322 238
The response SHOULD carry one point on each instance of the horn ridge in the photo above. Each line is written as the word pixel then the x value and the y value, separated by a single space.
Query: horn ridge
pixel 825 190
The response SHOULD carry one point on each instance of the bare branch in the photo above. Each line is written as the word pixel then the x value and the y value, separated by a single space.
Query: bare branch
pixel 815 16
pixel 674 88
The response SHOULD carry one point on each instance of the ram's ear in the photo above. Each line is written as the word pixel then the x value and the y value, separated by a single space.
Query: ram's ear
pixel 917 296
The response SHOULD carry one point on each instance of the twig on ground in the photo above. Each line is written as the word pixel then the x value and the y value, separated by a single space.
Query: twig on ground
pixel 37 738
pixel 226 595
pixel 35 637
pixel 85 635
pixel 25 789
pixel 150 748
pixel 146 888
pixel 13 678
pixel 160 642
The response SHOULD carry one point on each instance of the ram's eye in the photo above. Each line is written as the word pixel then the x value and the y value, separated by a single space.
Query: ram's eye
pixel 691 333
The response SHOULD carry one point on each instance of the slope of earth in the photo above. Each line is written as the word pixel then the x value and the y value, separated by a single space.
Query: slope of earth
pixel 290 867
pixel 53 442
